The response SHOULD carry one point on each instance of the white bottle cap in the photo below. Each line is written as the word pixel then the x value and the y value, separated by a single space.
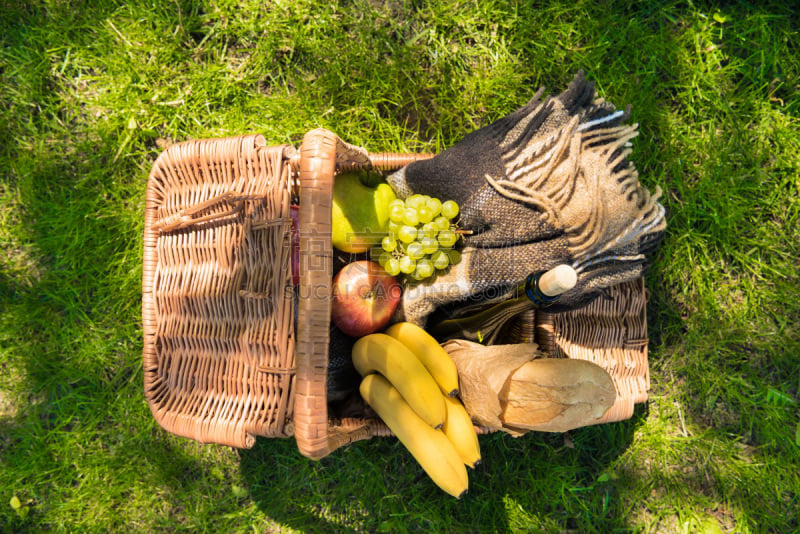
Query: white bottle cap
pixel 558 280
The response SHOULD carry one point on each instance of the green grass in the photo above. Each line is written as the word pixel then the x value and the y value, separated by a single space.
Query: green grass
pixel 90 93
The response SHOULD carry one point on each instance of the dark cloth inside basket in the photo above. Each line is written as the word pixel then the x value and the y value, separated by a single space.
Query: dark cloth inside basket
pixel 343 379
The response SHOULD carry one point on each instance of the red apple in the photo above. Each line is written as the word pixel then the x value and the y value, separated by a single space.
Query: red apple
pixel 364 298
pixel 294 211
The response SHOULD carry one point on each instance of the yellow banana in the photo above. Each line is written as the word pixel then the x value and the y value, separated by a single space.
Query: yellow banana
pixel 459 430
pixel 431 354
pixel 430 447
pixel 385 355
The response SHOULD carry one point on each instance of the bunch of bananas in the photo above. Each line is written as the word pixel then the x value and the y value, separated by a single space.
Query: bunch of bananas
pixel 412 384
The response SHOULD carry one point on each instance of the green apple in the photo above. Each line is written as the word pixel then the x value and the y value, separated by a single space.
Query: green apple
pixel 360 213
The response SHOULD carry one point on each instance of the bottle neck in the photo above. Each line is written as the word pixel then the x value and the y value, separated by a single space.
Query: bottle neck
pixel 530 288
pixel 484 325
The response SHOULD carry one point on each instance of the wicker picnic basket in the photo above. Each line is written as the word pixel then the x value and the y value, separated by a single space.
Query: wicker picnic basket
pixel 233 351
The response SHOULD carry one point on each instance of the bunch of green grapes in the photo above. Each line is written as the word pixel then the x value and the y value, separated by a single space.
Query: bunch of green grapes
pixel 422 234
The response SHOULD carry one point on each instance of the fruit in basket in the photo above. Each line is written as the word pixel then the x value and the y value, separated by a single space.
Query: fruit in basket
pixel 380 353
pixel 364 298
pixel 399 385
pixel 422 233
pixel 360 212
pixel 435 453
pixel 425 347
pixel 461 432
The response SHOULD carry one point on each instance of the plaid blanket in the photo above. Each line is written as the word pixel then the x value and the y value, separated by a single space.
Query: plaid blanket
pixel 549 184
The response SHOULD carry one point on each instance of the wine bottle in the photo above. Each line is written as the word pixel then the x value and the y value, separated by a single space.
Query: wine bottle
pixel 538 290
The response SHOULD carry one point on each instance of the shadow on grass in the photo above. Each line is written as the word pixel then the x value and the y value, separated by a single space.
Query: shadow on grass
pixel 550 481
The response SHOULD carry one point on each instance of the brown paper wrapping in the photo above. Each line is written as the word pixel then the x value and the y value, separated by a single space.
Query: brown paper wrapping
pixel 482 374
pixel 514 389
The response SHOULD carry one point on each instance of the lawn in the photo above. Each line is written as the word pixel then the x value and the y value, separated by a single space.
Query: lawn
pixel 92 91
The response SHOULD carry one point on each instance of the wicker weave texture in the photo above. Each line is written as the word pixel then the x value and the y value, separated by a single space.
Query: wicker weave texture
pixel 612 332
pixel 218 319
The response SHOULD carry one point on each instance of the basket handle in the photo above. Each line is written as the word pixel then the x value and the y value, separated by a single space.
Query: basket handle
pixel 351 157
pixel 190 216
pixel 386 161
pixel 317 166
pixel 322 155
